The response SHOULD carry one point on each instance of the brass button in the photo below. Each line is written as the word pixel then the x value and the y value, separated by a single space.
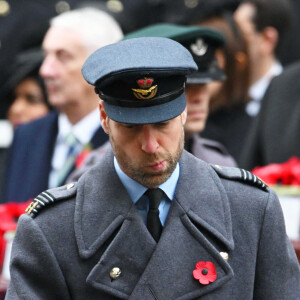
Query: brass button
pixel 115 273
pixel 70 185
pixel 224 255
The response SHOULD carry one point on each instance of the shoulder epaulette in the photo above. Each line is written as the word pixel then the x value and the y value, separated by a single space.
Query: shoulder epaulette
pixel 240 175
pixel 49 197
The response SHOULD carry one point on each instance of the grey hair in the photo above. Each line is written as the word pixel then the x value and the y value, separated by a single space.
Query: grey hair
pixel 97 27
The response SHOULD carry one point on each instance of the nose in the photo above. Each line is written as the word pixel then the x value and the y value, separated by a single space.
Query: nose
pixel 18 106
pixel 149 140
pixel 48 68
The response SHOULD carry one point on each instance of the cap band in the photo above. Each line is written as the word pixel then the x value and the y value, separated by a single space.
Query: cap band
pixel 142 103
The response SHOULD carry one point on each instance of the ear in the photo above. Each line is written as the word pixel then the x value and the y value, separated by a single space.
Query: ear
pixel 241 60
pixel 103 117
pixel 183 116
pixel 219 54
pixel 270 40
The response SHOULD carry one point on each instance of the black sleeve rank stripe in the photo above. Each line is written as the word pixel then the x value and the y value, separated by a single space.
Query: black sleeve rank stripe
pixel 48 195
pixel 40 200
pixel 47 198
pixel 240 175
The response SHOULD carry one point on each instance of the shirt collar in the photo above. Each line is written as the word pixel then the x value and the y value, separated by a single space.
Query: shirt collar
pixel 83 130
pixel 136 190
pixel 258 89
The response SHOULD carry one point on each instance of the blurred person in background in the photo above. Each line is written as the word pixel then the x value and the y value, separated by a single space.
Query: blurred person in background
pixel 44 152
pixel 28 93
pixel 203 43
pixel 274 137
pixel 265 25
pixel 228 122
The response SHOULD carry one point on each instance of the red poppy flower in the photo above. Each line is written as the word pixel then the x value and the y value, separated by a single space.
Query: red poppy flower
pixel 205 272
pixel 81 157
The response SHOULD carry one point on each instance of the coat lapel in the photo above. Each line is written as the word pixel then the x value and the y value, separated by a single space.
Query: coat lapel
pixel 198 227
pixel 107 218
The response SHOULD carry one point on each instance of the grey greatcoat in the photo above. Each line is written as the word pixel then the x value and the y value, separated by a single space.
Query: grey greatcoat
pixel 66 250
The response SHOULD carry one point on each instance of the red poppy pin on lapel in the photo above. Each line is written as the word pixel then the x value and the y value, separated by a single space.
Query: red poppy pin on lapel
pixel 205 272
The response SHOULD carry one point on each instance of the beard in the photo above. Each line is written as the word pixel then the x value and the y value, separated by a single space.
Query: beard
pixel 136 169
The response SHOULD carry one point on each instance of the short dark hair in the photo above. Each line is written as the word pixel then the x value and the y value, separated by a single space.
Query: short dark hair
pixel 274 13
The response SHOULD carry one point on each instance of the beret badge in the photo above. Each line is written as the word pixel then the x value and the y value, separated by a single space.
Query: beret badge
pixel 199 48
pixel 146 91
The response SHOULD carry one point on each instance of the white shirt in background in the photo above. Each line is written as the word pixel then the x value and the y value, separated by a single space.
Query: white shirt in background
pixel 83 130
pixel 258 89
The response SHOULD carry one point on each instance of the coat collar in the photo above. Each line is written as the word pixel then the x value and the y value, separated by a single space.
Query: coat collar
pixel 199 219
pixel 204 199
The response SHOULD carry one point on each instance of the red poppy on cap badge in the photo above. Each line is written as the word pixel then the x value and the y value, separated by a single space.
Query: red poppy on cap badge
pixel 205 272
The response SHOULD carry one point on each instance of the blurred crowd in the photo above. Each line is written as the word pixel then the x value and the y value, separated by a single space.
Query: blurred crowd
pixel 244 111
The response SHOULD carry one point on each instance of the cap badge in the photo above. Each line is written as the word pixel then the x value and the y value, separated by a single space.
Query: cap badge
pixel 199 48
pixel 146 91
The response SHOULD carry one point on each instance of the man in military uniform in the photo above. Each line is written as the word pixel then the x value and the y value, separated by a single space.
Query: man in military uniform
pixel 203 43
pixel 151 221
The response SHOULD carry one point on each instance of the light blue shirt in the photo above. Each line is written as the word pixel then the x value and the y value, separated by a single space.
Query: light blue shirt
pixel 136 192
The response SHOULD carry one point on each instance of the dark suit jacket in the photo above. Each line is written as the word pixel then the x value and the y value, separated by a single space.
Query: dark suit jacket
pixel 30 156
pixel 68 249
pixel 211 152
pixel 229 126
pixel 274 137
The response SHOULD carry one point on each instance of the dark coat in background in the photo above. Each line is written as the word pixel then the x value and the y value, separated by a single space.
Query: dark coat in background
pixel 230 127
pixel 274 137
pixel 211 152
pixel 67 250
pixel 29 160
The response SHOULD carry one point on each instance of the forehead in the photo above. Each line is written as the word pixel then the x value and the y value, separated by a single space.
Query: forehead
pixel 245 12
pixel 58 39
pixel 28 83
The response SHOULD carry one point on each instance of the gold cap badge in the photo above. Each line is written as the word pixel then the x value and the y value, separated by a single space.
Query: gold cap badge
pixel 146 91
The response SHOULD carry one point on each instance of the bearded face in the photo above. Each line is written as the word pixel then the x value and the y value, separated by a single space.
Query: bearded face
pixel 148 153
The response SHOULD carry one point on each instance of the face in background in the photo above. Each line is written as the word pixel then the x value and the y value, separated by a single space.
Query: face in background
pixel 146 153
pixel 243 17
pixel 28 104
pixel 197 97
pixel 61 68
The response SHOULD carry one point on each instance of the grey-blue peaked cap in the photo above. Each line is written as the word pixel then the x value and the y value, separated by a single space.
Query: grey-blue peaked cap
pixel 154 67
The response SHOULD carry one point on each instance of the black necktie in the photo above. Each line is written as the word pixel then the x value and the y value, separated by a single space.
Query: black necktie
pixel 153 222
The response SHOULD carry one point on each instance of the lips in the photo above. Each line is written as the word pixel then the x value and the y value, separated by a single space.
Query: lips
pixel 51 85
pixel 196 114
pixel 158 166
pixel 51 88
